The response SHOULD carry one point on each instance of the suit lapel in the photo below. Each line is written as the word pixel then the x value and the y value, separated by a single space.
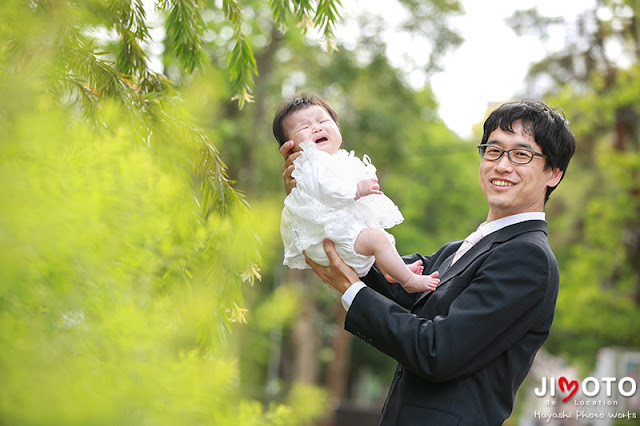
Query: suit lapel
pixel 480 247
pixel 448 271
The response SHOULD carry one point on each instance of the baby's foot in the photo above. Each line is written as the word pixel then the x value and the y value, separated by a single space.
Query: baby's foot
pixel 420 283
pixel 415 267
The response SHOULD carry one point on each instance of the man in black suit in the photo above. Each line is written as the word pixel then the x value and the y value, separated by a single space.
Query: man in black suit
pixel 464 349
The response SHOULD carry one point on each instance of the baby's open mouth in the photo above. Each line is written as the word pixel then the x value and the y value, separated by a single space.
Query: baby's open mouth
pixel 323 139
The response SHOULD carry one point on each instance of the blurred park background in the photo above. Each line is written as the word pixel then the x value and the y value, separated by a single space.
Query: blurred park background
pixel 140 186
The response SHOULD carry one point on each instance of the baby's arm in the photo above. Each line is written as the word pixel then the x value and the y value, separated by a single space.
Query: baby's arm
pixel 327 179
pixel 368 187
pixel 329 183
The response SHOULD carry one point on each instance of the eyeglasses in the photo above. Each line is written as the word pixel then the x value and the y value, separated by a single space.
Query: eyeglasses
pixel 517 156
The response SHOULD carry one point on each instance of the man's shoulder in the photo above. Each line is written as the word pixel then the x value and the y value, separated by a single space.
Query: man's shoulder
pixel 446 250
pixel 534 230
pixel 529 242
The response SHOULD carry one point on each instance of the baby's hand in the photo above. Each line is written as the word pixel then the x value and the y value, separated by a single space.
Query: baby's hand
pixel 368 187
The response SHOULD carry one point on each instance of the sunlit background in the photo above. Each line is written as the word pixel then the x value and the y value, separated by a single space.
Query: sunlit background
pixel 141 277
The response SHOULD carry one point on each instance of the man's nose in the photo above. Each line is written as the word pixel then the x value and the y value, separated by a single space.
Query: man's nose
pixel 504 163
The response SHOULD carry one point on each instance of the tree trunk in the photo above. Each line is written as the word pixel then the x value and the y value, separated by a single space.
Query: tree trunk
pixel 627 139
pixel 338 369
pixel 264 62
pixel 305 336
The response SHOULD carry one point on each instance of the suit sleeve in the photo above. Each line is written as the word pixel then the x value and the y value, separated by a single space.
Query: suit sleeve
pixel 498 306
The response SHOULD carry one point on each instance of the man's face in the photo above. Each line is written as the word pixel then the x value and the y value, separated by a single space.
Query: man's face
pixel 515 188
pixel 313 123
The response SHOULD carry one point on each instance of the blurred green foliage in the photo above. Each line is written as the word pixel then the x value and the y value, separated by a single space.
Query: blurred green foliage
pixel 597 232
pixel 595 214
pixel 120 276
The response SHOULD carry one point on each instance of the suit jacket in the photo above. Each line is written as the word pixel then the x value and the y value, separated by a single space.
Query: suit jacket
pixel 464 349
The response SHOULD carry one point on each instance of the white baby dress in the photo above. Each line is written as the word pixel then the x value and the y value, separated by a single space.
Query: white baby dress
pixel 322 206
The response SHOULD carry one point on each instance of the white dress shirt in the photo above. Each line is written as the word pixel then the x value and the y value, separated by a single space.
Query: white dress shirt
pixel 486 228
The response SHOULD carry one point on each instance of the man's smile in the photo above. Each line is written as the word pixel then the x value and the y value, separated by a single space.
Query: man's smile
pixel 502 183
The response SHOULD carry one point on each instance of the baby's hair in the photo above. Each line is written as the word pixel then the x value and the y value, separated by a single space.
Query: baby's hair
pixel 294 103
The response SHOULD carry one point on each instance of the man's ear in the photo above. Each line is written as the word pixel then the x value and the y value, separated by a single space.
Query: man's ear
pixel 554 178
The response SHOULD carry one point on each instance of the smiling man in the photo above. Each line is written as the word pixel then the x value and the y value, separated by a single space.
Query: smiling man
pixel 509 187
pixel 464 349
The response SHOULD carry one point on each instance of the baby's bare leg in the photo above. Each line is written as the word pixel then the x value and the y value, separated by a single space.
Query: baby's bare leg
pixel 374 242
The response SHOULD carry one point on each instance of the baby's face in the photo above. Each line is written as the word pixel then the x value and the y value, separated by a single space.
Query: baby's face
pixel 313 123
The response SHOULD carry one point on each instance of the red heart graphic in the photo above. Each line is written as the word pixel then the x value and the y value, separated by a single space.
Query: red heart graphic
pixel 569 384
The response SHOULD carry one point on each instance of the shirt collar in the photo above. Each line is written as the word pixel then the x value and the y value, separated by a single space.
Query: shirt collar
pixel 488 227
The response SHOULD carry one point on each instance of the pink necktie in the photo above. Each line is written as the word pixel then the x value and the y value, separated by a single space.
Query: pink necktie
pixel 467 244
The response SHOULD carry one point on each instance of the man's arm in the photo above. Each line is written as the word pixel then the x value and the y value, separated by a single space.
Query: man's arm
pixel 493 311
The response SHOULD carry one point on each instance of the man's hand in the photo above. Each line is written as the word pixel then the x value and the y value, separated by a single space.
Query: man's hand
pixel 368 187
pixel 338 274
pixel 290 151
